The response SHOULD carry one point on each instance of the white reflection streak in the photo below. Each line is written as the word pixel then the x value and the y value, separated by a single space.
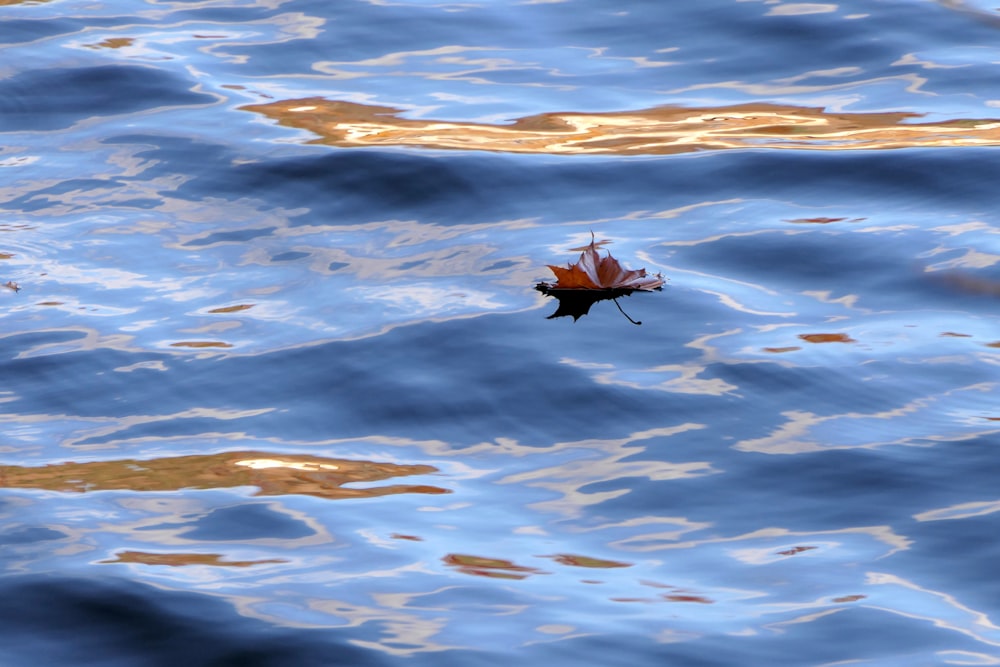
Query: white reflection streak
pixel 686 380
pixel 400 57
pixel 428 300
pixel 261 464
pixel 681 526
pixel 960 511
pixel 883 534
pixel 938 599
pixel 913 81
pixel 403 632
pixel 568 478
pixel 802 8
pixel 793 437
pixel 118 424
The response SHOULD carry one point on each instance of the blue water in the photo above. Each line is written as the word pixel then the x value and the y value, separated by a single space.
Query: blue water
pixel 276 388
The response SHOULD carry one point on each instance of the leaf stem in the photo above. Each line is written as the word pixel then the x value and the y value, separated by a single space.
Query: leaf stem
pixel 625 314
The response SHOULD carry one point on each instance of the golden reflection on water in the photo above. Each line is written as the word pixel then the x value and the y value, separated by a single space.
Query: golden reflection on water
pixel 576 560
pixel 201 344
pixel 657 131
pixel 112 43
pixel 273 474
pixel 182 559
pixel 827 338
pixel 497 568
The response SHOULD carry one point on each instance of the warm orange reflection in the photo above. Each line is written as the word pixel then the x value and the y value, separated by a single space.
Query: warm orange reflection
pixel 673 594
pixel 661 130
pixel 586 561
pixel 827 338
pixel 669 597
pixel 272 474
pixel 232 309
pixel 178 560
pixel 489 567
pixel 821 221
pixel 688 598
pixel 972 284
pixel 113 43
pixel 201 343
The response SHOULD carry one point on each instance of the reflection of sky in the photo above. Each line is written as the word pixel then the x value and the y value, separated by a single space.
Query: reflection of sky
pixel 285 285
pixel 817 310
pixel 532 59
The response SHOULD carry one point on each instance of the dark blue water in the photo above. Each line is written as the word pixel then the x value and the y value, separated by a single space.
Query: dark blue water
pixel 276 388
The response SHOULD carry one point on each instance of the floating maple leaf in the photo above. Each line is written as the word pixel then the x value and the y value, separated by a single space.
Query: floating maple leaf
pixel 594 272
pixel 594 278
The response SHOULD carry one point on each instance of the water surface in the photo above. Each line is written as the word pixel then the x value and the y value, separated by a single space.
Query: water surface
pixel 276 388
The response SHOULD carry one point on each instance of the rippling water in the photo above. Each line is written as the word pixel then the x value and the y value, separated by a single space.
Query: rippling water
pixel 276 388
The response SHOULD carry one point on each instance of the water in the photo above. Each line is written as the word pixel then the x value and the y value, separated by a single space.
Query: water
pixel 277 389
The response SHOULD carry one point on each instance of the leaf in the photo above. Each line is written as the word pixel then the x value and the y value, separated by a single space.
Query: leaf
pixel 592 243
pixel 594 278
pixel 592 271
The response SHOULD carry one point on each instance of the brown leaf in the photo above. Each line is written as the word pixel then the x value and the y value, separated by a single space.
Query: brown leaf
pixel 592 271
pixel 594 278
pixel 592 243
